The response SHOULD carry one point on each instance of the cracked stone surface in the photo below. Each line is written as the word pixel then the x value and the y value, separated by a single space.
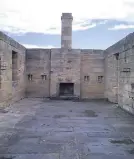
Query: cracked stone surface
pixel 43 129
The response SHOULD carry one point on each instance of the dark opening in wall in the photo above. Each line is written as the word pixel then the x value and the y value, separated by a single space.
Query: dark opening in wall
pixel 14 65
pixel 131 93
pixel 116 56
pixel 126 70
pixel 100 79
pixel 44 77
pixel 66 89
pixel 125 57
pixel 86 78
pixel 30 77
pixel 132 86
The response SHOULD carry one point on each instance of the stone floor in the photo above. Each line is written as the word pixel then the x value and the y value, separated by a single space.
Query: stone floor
pixel 39 129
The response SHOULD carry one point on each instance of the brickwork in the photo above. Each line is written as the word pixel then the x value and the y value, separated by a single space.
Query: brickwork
pixel 111 78
pixel 92 66
pixel 12 76
pixel 66 30
pixel 38 72
pixel 65 68
pixel 119 64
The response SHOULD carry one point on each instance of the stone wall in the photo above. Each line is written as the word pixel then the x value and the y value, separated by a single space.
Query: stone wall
pixel 111 78
pixel 119 65
pixel 38 72
pixel 65 68
pixel 12 70
pixel 92 74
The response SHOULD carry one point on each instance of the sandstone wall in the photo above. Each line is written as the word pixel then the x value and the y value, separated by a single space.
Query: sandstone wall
pixel 92 68
pixel 66 30
pixel 38 65
pixel 65 68
pixel 12 77
pixel 120 73
pixel 111 78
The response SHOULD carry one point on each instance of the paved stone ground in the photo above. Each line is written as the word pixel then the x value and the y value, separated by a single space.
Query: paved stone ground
pixel 37 129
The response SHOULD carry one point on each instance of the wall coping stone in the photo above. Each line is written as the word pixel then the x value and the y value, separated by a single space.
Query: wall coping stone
pixel 11 42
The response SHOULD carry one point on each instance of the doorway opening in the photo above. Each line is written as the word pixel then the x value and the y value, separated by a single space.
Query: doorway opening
pixel 14 65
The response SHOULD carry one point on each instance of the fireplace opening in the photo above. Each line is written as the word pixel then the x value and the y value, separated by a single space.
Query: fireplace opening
pixel 66 89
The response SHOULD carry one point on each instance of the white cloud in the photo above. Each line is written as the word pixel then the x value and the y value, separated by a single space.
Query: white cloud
pixel 84 26
pixel 43 16
pixel 38 46
pixel 122 27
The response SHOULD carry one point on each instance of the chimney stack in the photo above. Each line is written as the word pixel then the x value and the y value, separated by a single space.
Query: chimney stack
pixel 66 30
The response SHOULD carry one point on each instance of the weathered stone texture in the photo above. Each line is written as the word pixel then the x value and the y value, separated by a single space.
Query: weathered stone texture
pixel 38 65
pixel 111 78
pixel 92 65
pixel 38 129
pixel 66 30
pixel 119 73
pixel 10 90
pixel 65 67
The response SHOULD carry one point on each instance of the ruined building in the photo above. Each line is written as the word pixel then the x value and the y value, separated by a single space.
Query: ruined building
pixel 59 72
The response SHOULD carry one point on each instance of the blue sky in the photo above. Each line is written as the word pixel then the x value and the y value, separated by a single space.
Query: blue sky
pixel 97 24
